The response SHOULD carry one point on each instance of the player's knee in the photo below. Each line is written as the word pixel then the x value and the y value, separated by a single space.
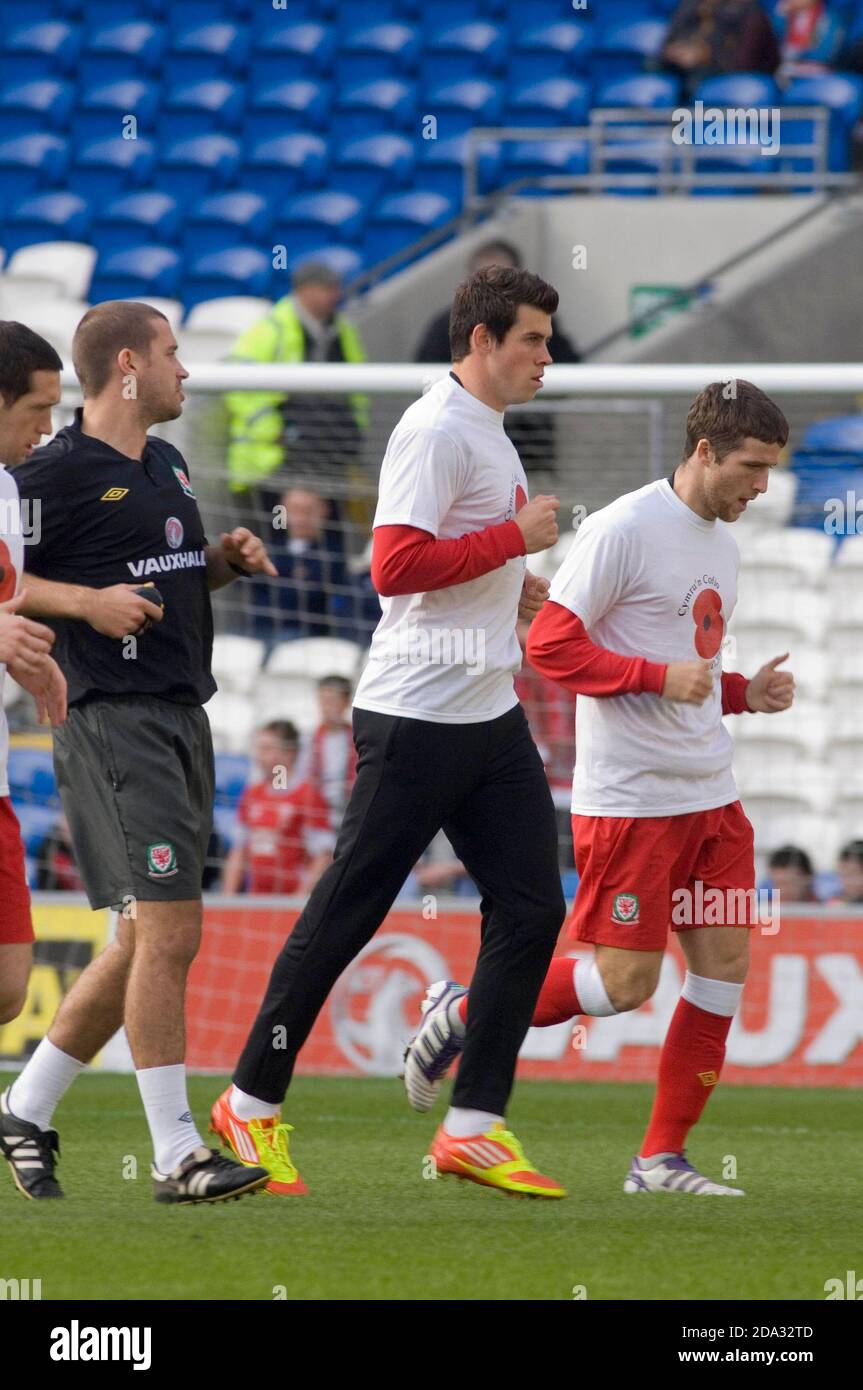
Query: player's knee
pixel 629 990
pixel 546 918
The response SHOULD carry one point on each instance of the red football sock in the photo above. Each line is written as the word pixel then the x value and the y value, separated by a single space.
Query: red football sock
pixel 557 1000
pixel 689 1067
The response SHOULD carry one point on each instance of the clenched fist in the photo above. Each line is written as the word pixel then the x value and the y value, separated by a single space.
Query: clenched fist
pixel 689 682
pixel 538 524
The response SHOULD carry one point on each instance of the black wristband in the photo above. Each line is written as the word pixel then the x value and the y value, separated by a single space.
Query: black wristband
pixel 244 574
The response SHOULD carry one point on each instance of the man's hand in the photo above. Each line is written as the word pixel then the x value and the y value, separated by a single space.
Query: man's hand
pixel 247 551
pixel 688 682
pixel 21 640
pixel 534 592
pixel 119 611
pixel 47 684
pixel 538 524
pixel 770 690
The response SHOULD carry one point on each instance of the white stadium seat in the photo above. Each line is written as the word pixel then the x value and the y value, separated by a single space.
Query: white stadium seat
pixel 171 308
pixel 237 662
pixel 804 727
pixel 232 720
pixel 287 697
pixel 797 612
pixel 789 553
pixel 56 320
pixel 68 264
pixel 772 509
pixel 230 314
pixel 315 657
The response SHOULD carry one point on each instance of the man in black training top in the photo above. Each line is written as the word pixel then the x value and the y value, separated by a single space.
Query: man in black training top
pixel 134 759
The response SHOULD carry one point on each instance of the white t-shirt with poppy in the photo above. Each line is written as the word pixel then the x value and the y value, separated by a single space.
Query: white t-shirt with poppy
pixel 448 655
pixel 648 577
pixel 11 567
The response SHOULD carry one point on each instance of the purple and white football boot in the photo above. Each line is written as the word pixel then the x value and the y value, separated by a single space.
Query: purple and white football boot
pixel 436 1044
pixel 673 1173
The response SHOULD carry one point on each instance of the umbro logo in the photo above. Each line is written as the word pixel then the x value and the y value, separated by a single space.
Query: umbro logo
pixel 113 494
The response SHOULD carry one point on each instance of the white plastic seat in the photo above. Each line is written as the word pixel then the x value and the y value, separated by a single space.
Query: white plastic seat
pixel 230 314
pixel 56 320
pixel 315 657
pixel 204 345
pixel 232 720
pixel 785 779
pixel 806 661
pixel 293 697
pixel 171 308
pixel 67 263
pixel 796 612
pixel 237 662
pixel 818 833
pixel 770 510
pixel 805 727
pixel 785 553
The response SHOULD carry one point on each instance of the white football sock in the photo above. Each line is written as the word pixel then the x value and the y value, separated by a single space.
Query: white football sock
pixel 713 996
pixel 461 1123
pixel 166 1104
pixel 590 991
pixel 249 1108
pixel 36 1093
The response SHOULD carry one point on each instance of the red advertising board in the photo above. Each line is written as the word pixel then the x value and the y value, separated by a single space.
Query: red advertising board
pixel 801 1022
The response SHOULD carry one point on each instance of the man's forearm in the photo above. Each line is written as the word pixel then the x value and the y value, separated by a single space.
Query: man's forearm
pixel 48 598
pixel 219 572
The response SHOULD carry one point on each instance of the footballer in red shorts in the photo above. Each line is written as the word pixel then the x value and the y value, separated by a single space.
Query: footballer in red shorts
pixel 634 625
pixel 29 387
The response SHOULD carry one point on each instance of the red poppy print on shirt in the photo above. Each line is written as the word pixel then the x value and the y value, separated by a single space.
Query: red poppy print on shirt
pixel 8 574
pixel 709 623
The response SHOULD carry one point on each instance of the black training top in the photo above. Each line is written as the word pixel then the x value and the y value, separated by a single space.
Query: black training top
pixel 102 519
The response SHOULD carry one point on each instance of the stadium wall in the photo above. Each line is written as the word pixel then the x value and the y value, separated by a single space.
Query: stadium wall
pixel 801 1022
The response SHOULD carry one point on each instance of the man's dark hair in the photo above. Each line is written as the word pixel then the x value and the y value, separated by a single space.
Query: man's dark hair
pixel 340 683
pixel 104 331
pixel 727 412
pixel 852 851
pixel 286 732
pixel 22 352
pixel 791 857
pixel 492 296
pixel 511 255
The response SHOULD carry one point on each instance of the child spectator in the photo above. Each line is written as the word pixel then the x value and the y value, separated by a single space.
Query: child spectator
pixel 285 840
pixel 810 36
pixel 792 875
pixel 331 766
pixel 850 870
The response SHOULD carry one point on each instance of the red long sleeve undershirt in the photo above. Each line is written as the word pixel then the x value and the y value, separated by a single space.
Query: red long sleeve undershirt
pixel 558 646
pixel 407 560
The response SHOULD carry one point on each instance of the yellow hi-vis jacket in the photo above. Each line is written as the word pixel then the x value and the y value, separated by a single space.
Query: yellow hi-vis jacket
pixel 257 447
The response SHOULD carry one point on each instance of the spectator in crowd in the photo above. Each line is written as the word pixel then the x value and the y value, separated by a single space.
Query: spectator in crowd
pixel 331 766
pixel 792 875
pixel 441 871
pixel 285 841
pixel 708 37
pixel 850 870
pixel 311 597
pixel 56 870
pixel 810 36
pixel 531 433
pixel 277 438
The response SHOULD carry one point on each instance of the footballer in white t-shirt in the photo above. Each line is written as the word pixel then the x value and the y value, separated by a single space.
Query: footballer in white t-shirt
pixel 634 625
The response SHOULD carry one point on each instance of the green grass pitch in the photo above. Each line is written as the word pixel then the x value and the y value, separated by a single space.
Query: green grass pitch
pixel 374 1227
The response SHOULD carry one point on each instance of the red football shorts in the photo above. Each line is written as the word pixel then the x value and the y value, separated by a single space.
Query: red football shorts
pixel 15 924
pixel 631 870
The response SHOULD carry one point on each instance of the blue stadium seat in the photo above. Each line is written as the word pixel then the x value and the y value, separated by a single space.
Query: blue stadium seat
pixel 556 101
pixel 315 218
pixel 654 90
pixel 621 47
pixel 201 108
pixel 534 159
pixel 559 49
pixel 140 217
pixel 137 272
pixel 742 89
pixel 41 104
pixel 233 771
pixel 225 824
pixel 104 169
pixel 372 164
pixel 733 159
pixel 404 218
pixel 371 51
pixel 31 774
pixel 131 48
pixel 286 108
pixel 233 270
pixel 31 162
pixel 839 435
pixel 459 106
pixel 292 52
pixel 382 106
pixel 443 164
pixel 36 823
pixel 820 478
pixel 202 164
pixel 100 110
pixel 48 49
pixel 344 12
pixel 286 165
pixel 842 94
pixel 475 49
pixel 344 260
pixel 200 52
pixel 227 219
pixel 58 216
